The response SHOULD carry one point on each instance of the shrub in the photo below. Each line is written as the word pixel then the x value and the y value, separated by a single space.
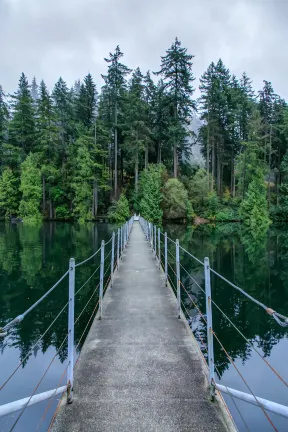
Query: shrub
pixel 175 202
pixel 119 210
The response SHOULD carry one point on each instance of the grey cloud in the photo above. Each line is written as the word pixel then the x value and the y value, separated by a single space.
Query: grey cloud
pixel 72 37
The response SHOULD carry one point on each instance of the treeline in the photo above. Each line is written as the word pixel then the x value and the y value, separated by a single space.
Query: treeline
pixel 70 153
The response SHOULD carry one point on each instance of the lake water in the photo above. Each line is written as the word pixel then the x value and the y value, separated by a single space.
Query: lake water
pixel 33 258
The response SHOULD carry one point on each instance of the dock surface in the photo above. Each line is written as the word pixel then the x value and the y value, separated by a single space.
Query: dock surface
pixel 140 369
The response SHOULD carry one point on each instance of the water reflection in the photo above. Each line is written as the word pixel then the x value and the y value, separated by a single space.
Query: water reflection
pixel 259 265
pixel 32 259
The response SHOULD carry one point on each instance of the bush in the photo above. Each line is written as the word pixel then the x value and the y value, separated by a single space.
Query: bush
pixel 62 212
pixel 175 202
pixel 119 210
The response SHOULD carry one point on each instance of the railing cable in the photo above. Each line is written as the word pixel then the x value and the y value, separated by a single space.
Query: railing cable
pixel 31 349
pixel 88 259
pixel 19 318
pixel 87 280
pixel 37 386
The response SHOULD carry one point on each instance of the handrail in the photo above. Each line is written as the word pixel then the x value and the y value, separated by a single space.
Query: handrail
pixel 19 318
pixel 149 231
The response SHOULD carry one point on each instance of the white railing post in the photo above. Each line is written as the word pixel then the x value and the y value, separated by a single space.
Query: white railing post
pixel 155 240
pixel 101 279
pixel 165 254
pixel 209 328
pixel 118 246
pixel 178 279
pixel 112 257
pixel 71 330
pixel 151 236
pixel 159 248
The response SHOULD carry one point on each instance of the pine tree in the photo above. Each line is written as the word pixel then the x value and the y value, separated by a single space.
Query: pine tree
pixel 176 70
pixel 34 89
pixel 4 118
pixel 150 185
pixel 46 143
pixel 115 84
pixel 63 105
pixel 22 125
pixel 86 102
pixel 31 190
pixel 8 193
pixel 136 131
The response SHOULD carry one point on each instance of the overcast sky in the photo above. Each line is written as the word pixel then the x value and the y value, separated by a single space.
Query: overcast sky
pixel 49 38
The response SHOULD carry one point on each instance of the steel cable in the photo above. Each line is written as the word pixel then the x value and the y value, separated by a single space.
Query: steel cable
pixel 37 386
pixel 88 259
pixel 31 349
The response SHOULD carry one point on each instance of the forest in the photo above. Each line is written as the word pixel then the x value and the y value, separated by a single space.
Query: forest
pixel 75 153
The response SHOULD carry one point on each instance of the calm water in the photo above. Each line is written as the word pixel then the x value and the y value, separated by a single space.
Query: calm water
pixel 32 259
pixel 260 266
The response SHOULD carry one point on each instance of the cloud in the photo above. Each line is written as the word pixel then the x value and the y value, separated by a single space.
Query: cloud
pixel 71 37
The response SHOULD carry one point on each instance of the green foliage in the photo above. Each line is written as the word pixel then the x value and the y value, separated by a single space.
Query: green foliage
pixel 8 193
pixel 198 189
pixel 22 125
pixel 31 191
pixel 119 211
pixel 150 192
pixel 253 209
pixel 175 203
pixel 212 205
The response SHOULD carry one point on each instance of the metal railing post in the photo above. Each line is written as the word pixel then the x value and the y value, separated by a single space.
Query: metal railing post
pixel 159 248
pixel 209 328
pixel 71 330
pixel 151 231
pixel 165 254
pixel 155 240
pixel 178 279
pixel 112 257
pixel 101 279
pixel 121 242
pixel 118 246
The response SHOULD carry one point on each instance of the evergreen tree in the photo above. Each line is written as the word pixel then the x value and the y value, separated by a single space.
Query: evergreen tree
pixel 31 190
pixel 8 193
pixel 115 84
pixel 136 129
pixel 63 106
pixel 4 119
pixel 22 125
pixel 86 102
pixel 151 195
pixel 253 208
pixel 34 89
pixel 119 211
pixel 46 143
pixel 176 70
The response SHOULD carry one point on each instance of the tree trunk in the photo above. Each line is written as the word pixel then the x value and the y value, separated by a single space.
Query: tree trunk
pixel 218 173
pixel 234 179
pixel 270 150
pixel 116 154
pixel 50 209
pixel 95 199
pixel 175 160
pixel 213 164
pixel 207 151
pixel 278 177
pixel 136 173
pixel 43 193
pixel 146 157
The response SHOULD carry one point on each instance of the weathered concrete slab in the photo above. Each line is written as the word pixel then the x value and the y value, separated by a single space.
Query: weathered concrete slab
pixel 139 369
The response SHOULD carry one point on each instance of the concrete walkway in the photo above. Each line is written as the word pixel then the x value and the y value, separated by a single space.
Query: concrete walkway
pixel 140 369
